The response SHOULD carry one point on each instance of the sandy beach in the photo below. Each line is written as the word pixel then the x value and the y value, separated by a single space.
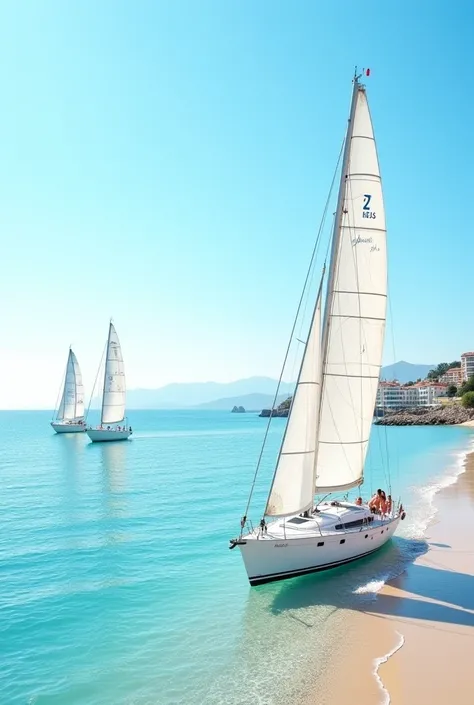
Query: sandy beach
pixel 413 643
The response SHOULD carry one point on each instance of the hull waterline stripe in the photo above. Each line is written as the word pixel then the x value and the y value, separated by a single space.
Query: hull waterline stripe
pixel 273 577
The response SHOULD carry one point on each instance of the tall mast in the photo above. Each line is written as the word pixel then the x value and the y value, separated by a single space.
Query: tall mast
pixel 336 236
pixel 105 374
pixel 71 355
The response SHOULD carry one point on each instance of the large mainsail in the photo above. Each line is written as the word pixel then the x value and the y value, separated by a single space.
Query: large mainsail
pixel 354 322
pixel 113 400
pixel 293 483
pixel 72 400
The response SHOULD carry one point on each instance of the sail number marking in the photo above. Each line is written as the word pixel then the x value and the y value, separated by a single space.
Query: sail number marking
pixel 366 210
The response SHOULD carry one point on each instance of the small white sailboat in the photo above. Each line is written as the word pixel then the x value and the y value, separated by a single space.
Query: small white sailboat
pixel 327 434
pixel 113 426
pixel 70 414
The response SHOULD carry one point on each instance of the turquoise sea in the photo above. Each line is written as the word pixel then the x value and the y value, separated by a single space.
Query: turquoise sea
pixel 117 586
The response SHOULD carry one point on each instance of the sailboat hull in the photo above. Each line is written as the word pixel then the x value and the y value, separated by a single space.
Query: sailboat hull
pixel 98 435
pixel 61 427
pixel 268 559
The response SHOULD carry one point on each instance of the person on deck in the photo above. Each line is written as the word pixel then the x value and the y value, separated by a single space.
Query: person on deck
pixel 359 501
pixel 375 502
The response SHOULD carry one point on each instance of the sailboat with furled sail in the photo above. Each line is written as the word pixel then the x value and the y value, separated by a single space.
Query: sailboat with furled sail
pixel 70 414
pixel 113 426
pixel 327 434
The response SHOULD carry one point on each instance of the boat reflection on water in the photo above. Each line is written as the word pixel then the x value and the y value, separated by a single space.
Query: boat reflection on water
pixel 113 461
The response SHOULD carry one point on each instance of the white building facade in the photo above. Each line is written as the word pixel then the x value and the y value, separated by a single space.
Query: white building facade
pixel 454 376
pixel 467 365
pixel 393 395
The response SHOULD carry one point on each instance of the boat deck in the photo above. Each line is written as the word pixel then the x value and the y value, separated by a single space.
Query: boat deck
pixel 328 519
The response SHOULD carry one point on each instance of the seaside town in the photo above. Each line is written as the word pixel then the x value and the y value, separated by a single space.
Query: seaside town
pixel 444 397
pixel 442 383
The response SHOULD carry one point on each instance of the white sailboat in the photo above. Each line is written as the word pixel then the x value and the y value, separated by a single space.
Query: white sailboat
pixel 327 434
pixel 70 414
pixel 113 426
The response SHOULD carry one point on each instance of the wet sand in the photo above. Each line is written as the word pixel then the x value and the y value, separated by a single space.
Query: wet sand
pixel 424 619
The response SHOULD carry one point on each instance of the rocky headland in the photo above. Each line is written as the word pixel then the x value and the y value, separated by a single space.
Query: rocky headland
pixel 432 416
pixel 282 410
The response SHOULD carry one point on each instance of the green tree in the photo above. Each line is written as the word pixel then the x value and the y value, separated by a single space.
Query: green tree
pixel 285 404
pixel 467 386
pixel 409 384
pixel 452 390
pixel 440 369
pixel 468 400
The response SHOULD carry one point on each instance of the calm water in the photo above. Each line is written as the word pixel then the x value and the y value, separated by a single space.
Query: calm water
pixel 116 583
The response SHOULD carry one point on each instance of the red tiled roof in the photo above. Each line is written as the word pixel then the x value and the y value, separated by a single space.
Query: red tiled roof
pixel 466 354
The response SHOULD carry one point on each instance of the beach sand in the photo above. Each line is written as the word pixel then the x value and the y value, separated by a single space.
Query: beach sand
pixel 413 644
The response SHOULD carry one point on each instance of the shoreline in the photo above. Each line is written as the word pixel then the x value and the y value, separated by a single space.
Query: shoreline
pixel 448 415
pixel 401 639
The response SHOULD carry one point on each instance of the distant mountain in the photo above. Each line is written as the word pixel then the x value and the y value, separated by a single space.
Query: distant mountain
pixel 250 402
pixel 254 393
pixel 183 395
pixel 405 371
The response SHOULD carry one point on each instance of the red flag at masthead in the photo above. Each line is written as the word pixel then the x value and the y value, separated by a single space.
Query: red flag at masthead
pixel 367 73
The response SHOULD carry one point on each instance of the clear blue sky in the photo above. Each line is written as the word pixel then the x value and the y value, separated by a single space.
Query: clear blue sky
pixel 167 163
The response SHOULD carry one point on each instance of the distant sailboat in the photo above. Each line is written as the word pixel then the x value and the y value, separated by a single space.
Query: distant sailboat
pixel 327 435
pixel 112 418
pixel 70 414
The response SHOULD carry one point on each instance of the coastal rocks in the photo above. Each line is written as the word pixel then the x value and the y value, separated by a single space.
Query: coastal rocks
pixel 265 413
pixel 431 416
pixel 238 410
pixel 281 411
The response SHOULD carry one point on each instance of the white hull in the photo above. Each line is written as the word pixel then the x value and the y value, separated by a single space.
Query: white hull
pixel 103 434
pixel 62 427
pixel 273 556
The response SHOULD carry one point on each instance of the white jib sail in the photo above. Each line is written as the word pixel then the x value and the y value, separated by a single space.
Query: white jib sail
pixel 113 400
pixel 72 400
pixel 356 316
pixel 293 483
pixel 79 411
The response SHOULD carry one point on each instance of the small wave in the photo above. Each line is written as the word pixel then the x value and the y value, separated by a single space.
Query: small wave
pixel 372 587
pixel 383 659
pixel 423 514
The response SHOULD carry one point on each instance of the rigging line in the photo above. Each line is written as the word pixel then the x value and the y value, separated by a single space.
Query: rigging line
pixel 392 330
pixel 96 378
pixel 313 256
pixel 361 328
pixel 324 371
pixel 302 317
pixel 362 333
pixel 325 374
